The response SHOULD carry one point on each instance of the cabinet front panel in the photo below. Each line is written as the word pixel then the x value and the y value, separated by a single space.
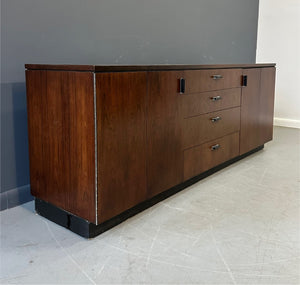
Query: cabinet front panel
pixel 200 129
pixel 206 102
pixel 164 151
pixel 61 140
pixel 121 124
pixel 211 79
pixel 250 112
pixel 210 154
pixel 267 90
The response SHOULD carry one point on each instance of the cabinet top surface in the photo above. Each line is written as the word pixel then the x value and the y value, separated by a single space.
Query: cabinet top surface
pixel 116 68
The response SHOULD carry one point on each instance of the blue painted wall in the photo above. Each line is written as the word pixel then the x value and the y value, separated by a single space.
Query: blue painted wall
pixel 107 31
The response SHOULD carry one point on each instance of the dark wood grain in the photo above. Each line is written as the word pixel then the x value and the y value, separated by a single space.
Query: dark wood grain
pixel 163 132
pixel 36 98
pixel 202 158
pixel 267 89
pixel 158 67
pixel 61 140
pixel 149 137
pixel 200 129
pixel 201 103
pixel 202 80
pixel 121 125
pixel 250 112
pixel 165 67
pixel 60 67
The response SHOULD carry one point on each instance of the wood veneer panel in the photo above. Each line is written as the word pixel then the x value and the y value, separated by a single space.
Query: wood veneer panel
pixel 201 103
pixel 267 90
pixel 121 125
pixel 202 158
pixel 164 151
pixel 250 112
pixel 202 80
pixel 200 129
pixel 164 67
pixel 61 140
pixel 123 68
pixel 61 67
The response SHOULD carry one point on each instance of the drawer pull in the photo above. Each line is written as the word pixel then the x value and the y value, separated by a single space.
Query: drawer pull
pixel 217 76
pixel 216 98
pixel 215 119
pixel 215 147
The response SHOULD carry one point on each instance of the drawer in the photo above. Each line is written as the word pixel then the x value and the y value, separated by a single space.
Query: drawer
pixel 203 128
pixel 211 79
pixel 210 154
pixel 206 102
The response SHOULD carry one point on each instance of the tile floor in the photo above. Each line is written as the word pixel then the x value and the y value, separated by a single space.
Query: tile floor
pixel 238 226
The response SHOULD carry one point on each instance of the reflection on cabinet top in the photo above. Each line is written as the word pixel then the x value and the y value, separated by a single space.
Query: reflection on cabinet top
pixel 124 68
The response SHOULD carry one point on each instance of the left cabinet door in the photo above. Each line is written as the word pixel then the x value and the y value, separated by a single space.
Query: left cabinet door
pixel 121 141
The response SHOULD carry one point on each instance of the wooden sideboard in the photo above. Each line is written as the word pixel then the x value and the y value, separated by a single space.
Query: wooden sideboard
pixel 106 142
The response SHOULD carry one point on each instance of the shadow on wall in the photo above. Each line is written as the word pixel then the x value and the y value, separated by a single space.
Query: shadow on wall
pixel 15 188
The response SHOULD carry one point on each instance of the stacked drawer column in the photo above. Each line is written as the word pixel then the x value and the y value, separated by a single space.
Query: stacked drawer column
pixel 211 118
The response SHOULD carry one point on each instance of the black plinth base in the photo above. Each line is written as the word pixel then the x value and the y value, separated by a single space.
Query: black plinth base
pixel 90 230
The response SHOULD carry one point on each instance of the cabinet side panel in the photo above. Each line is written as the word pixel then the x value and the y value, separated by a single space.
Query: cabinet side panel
pixel 250 111
pixel 164 141
pixel 121 124
pixel 267 90
pixel 36 90
pixel 61 139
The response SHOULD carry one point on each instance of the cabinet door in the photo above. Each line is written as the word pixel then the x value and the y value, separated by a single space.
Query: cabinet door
pixel 164 152
pixel 267 88
pixel 121 125
pixel 250 111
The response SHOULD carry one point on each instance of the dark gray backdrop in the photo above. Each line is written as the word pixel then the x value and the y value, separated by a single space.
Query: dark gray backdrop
pixel 110 32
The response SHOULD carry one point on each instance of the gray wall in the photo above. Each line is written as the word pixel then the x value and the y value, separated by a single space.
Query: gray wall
pixel 110 32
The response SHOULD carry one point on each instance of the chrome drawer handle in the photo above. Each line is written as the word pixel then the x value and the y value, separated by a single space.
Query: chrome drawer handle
pixel 215 147
pixel 216 98
pixel 217 76
pixel 215 119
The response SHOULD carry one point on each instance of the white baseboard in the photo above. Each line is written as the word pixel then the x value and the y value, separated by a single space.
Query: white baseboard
pixel 289 123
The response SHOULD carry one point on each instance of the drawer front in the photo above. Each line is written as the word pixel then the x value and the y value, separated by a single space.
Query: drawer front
pixel 211 79
pixel 201 129
pixel 208 155
pixel 206 102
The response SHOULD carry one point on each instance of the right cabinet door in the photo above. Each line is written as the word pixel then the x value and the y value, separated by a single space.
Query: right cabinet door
pixel 267 89
pixel 250 111
pixel 257 108
pixel 164 150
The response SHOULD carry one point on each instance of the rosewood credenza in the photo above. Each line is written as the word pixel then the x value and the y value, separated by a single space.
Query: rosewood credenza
pixel 106 142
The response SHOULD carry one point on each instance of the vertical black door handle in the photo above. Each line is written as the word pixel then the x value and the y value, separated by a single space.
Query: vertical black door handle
pixel 244 80
pixel 181 85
